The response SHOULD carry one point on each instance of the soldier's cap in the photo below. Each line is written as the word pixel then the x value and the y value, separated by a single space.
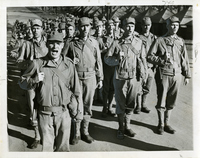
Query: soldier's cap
pixel 54 24
pixel 36 22
pixel 61 26
pixel 98 23
pixel 70 24
pixel 172 19
pixel 129 20
pixel 84 21
pixel 146 21
pixel 56 36
pixel 28 24
pixel 116 20
pixel 103 18
pixel 110 22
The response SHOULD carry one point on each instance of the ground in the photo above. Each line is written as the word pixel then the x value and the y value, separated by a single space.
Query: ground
pixel 102 130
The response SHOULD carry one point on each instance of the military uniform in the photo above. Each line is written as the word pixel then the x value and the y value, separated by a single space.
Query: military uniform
pixel 126 54
pixel 87 58
pixel 169 54
pixel 147 84
pixel 29 51
pixel 54 95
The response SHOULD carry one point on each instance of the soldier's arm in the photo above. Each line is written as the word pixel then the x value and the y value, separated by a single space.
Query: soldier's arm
pixel 152 56
pixel 99 68
pixel 28 79
pixel 185 62
pixel 76 89
pixel 21 53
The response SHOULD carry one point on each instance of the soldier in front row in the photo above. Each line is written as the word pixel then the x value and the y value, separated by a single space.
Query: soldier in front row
pixel 85 53
pixel 58 94
pixel 169 54
pixel 128 54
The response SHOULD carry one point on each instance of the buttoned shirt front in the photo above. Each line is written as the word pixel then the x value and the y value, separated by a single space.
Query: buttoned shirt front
pixel 170 54
pixel 88 57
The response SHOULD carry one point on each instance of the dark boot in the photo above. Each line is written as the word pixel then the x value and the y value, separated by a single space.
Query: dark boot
pixel 105 106
pixel 160 127
pixel 120 131
pixel 85 136
pixel 128 131
pixel 167 127
pixel 77 135
pixel 37 138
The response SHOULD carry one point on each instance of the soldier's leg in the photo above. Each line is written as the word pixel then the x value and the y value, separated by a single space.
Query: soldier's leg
pixel 88 88
pixel 146 89
pixel 120 97
pixel 138 99
pixel 30 97
pixel 162 89
pixel 46 128
pixel 133 86
pixel 77 135
pixel 171 101
pixel 62 131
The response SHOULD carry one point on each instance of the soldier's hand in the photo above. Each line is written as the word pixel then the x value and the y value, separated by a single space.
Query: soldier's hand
pixel 39 77
pixel 19 60
pixel 99 85
pixel 76 60
pixel 186 81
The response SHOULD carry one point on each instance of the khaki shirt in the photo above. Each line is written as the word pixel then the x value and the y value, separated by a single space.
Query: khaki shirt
pixel 33 50
pixel 128 56
pixel 148 40
pixel 88 58
pixel 175 49
pixel 52 91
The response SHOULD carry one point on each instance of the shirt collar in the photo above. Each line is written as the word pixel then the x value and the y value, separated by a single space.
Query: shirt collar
pixel 52 63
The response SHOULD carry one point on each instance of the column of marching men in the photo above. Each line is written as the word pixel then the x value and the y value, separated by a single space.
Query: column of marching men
pixel 68 62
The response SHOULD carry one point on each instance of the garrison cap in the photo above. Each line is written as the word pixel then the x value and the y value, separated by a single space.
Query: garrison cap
pixel 61 26
pixel 84 21
pixel 98 23
pixel 110 22
pixel 116 20
pixel 56 36
pixel 146 21
pixel 173 19
pixel 103 18
pixel 36 22
pixel 129 20
pixel 71 24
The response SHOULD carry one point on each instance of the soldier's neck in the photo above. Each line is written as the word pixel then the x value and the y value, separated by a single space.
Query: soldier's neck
pixel 38 39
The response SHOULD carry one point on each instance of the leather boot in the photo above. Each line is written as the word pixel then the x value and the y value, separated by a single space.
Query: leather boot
pixel 128 131
pixel 77 136
pixel 160 127
pixel 120 131
pixel 167 127
pixel 105 106
pixel 85 136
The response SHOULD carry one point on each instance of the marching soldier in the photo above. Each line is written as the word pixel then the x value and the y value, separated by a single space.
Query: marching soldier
pixel 169 54
pixel 33 49
pixel 85 53
pixel 128 55
pixel 58 94
pixel 148 38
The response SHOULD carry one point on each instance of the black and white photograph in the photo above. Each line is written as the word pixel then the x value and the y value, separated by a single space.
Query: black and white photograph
pixel 100 79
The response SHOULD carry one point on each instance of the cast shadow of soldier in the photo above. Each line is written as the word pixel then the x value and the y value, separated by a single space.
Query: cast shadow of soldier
pixel 107 134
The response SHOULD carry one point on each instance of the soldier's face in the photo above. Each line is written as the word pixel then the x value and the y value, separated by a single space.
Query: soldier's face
pixel 146 28
pixel 37 31
pixel 84 30
pixel 111 27
pixel 55 48
pixel 173 27
pixel 70 31
pixel 99 30
pixel 129 29
pixel 29 32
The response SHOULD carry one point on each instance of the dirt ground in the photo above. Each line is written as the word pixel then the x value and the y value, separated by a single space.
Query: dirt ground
pixel 102 130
